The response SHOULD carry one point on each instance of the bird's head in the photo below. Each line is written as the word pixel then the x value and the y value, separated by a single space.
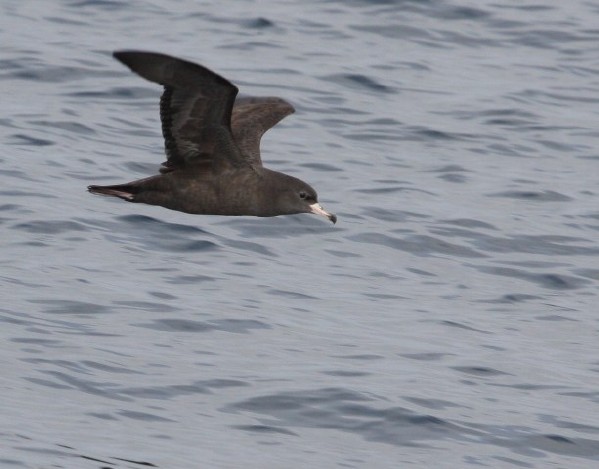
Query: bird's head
pixel 295 196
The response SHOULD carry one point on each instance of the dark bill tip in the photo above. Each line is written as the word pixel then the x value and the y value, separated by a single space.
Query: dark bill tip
pixel 318 210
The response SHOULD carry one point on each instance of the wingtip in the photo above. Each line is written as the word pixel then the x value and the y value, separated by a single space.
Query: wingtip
pixel 117 54
pixel 126 55
pixel 123 54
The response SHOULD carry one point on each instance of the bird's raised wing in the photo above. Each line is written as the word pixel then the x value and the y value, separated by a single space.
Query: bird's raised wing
pixel 251 118
pixel 195 110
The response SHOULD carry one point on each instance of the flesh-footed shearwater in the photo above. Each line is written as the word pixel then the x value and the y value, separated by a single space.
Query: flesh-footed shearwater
pixel 212 145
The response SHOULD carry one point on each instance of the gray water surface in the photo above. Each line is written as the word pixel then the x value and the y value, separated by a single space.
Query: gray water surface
pixel 449 319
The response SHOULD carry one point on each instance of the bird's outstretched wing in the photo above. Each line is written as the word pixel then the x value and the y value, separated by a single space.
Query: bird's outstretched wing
pixel 195 110
pixel 252 117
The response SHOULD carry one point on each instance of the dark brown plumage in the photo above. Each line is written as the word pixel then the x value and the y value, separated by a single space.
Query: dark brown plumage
pixel 212 144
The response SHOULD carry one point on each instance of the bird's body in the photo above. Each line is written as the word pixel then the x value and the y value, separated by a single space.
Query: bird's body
pixel 212 143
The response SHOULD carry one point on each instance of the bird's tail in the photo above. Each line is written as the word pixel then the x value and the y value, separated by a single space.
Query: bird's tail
pixel 122 191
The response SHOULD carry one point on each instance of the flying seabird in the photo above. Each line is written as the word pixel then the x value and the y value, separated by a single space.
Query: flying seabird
pixel 212 145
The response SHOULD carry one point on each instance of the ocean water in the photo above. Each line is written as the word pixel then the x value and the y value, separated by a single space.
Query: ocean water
pixel 451 317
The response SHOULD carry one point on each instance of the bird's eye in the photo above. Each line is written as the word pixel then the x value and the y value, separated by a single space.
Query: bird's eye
pixel 303 195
